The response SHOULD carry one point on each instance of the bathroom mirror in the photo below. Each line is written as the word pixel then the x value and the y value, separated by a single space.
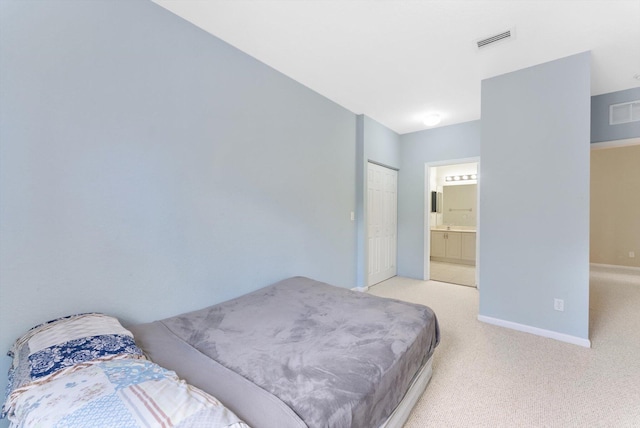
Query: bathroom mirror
pixel 459 205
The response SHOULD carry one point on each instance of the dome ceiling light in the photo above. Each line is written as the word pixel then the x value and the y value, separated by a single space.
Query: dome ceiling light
pixel 432 119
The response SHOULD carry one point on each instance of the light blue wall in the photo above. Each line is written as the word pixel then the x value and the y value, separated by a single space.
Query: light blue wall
pixel 147 168
pixel 600 128
pixel 534 197
pixel 449 142
pixel 382 145
pixel 376 143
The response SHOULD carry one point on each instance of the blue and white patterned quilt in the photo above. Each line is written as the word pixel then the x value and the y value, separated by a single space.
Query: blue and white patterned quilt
pixel 117 393
pixel 86 371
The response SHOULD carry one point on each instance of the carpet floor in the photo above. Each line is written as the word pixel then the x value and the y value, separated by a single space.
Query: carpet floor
pixel 489 376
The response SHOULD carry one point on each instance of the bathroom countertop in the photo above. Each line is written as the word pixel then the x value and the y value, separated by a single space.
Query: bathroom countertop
pixel 452 229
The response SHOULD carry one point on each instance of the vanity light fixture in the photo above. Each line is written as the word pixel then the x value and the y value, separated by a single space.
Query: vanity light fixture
pixel 465 177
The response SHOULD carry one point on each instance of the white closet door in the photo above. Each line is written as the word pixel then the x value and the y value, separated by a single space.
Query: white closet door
pixel 382 219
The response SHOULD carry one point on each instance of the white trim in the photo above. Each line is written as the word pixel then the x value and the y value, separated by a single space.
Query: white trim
pixel 615 143
pixel 631 268
pixel 384 165
pixel 454 161
pixel 362 289
pixel 537 331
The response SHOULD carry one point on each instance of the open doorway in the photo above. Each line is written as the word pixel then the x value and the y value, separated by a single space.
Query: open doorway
pixel 452 222
pixel 615 207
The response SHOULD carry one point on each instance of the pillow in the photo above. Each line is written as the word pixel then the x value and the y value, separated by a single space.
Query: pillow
pixel 64 342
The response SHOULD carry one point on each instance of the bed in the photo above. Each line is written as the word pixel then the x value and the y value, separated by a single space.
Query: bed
pixel 85 370
pixel 301 353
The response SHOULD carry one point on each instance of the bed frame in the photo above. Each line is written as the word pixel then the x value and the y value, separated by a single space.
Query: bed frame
pixel 400 415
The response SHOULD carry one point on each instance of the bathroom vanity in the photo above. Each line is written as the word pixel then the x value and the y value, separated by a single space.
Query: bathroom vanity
pixel 453 246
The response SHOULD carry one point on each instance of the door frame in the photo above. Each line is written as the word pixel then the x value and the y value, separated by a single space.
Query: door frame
pixel 427 217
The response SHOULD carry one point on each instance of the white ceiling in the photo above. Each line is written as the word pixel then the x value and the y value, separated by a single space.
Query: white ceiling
pixel 397 60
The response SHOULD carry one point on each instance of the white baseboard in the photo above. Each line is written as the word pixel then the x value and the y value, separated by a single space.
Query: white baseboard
pixel 624 268
pixel 615 143
pixel 537 331
pixel 363 289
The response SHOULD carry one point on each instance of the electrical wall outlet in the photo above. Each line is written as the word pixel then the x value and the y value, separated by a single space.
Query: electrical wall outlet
pixel 632 254
pixel 558 304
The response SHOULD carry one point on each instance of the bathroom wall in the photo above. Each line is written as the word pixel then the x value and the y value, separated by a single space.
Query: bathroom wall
pixel 437 182
pixel 460 205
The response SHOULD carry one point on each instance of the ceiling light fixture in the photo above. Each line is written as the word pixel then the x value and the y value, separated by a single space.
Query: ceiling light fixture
pixel 432 119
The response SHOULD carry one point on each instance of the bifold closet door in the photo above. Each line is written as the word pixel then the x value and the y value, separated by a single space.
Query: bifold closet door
pixel 382 222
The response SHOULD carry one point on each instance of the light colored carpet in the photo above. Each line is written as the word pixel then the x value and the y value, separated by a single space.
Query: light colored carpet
pixel 488 376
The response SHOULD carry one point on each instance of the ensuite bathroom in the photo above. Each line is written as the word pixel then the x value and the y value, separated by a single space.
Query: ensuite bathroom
pixel 453 217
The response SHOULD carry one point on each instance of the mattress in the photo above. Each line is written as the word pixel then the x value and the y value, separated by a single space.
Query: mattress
pixel 299 353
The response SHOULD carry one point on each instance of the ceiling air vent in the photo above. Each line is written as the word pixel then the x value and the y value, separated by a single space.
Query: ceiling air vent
pixel 505 35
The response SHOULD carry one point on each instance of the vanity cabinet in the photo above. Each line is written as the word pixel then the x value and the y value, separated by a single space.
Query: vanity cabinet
pixel 453 246
pixel 468 251
pixel 438 244
pixel 446 244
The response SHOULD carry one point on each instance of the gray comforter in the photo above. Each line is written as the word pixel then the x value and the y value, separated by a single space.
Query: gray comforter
pixel 336 357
